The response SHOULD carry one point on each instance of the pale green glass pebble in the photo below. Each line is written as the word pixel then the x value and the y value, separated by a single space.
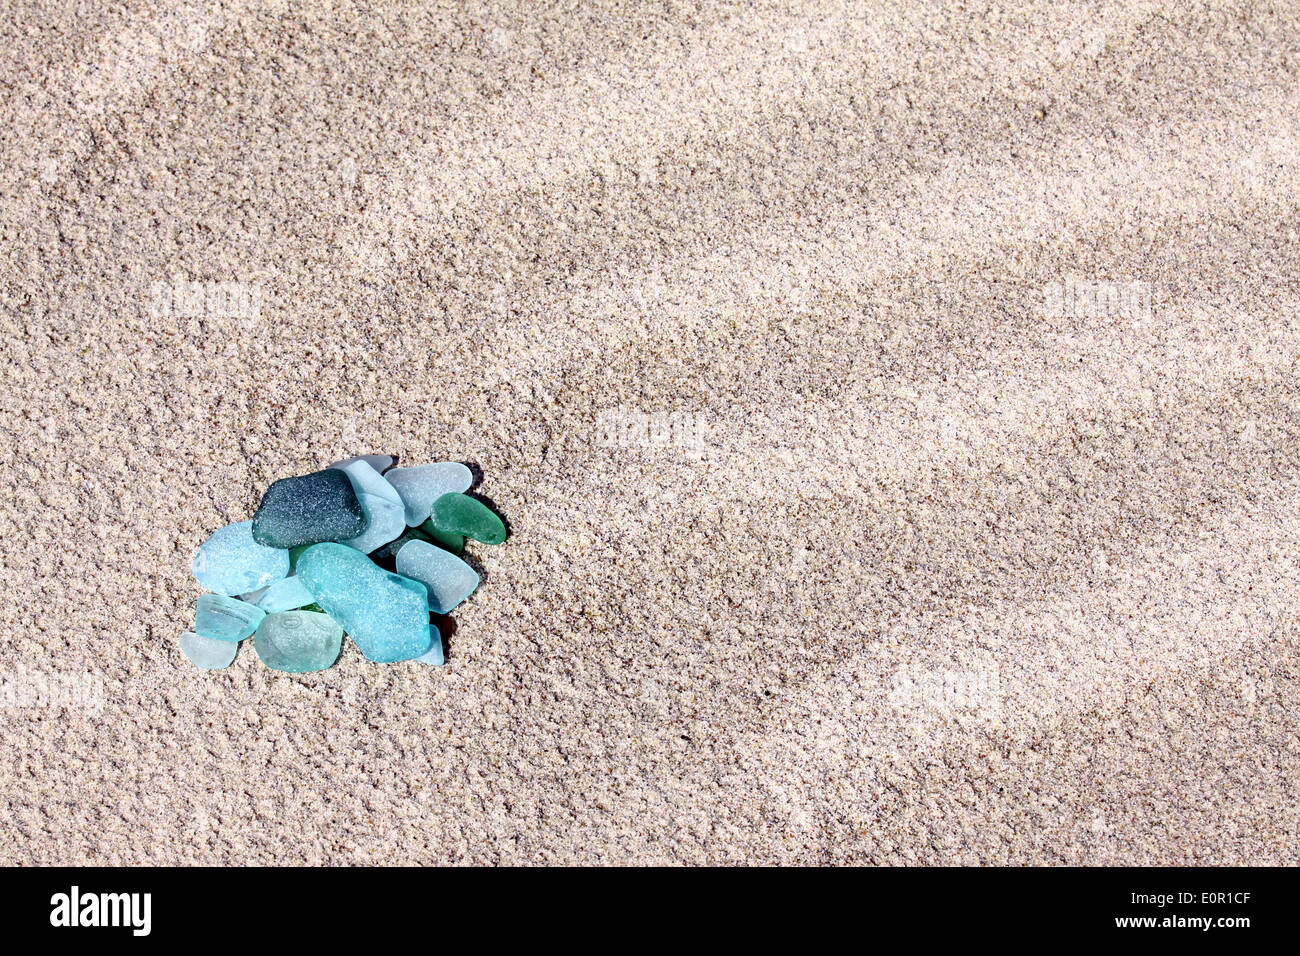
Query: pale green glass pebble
pixel 421 485
pixel 386 615
pixel 381 504
pixel 230 562
pixel 207 654
pixel 386 557
pixel 448 579
pixel 298 642
pixel 222 618
pixel 285 595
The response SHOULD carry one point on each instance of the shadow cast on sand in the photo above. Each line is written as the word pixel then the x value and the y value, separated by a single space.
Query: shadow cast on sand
pixel 446 625
pixel 476 474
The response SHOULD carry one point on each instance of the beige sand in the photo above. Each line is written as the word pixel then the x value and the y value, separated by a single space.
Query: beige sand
pixel 838 537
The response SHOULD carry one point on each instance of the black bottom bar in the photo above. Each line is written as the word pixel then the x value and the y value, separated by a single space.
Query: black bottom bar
pixel 308 907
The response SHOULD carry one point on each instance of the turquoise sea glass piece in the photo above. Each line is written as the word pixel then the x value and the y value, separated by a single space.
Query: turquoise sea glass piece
pixel 421 485
pixel 298 641
pixel 387 615
pixel 434 656
pixel 222 618
pixel 447 578
pixel 306 509
pixel 285 595
pixel 231 562
pixel 461 514
pixel 381 503
pixel 207 654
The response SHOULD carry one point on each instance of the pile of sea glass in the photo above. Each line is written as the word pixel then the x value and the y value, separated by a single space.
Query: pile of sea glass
pixel 362 547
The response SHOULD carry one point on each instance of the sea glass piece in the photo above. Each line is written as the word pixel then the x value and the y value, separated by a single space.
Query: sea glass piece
pixel 434 656
pixel 285 595
pixel 222 618
pixel 207 654
pixel 387 615
pixel 455 543
pixel 447 578
pixel 381 463
pixel 382 504
pixel 366 479
pixel 461 514
pixel 298 641
pixel 421 485
pixel 386 555
pixel 231 562
pixel 307 509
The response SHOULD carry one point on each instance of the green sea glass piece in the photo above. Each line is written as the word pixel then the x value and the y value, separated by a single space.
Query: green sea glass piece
pixel 207 654
pixel 222 618
pixel 455 543
pixel 307 509
pixel 461 514
pixel 448 579
pixel 231 562
pixel 421 485
pixel 298 642
pixel 386 615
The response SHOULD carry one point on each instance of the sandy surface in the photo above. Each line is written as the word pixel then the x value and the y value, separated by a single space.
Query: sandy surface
pixel 836 537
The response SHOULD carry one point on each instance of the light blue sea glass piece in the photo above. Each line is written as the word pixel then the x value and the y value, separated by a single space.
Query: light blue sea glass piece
pixel 298 642
pixel 435 656
pixel 448 579
pixel 421 485
pixel 387 615
pixel 231 562
pixel 222 618
pixel 207 654
pixel 381 463
pixel 285 595
pixel 381 503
